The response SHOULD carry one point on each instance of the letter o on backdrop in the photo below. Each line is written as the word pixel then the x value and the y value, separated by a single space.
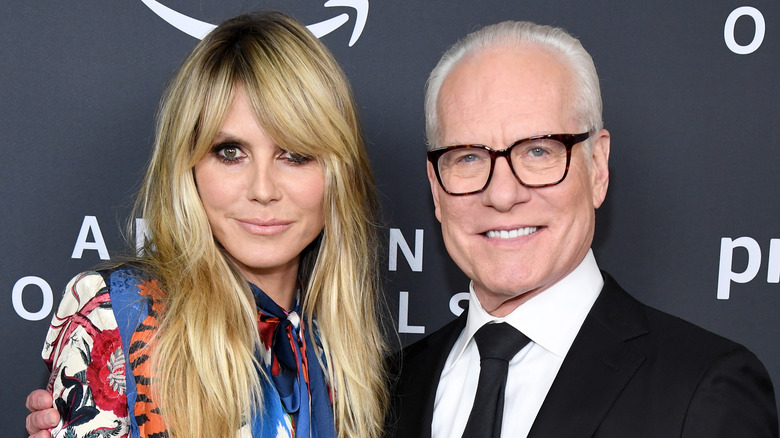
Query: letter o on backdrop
pixel 48 298
pixel 758 36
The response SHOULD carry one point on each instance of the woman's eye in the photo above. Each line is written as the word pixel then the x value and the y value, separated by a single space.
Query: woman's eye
pixel 294 157
pixel 228 153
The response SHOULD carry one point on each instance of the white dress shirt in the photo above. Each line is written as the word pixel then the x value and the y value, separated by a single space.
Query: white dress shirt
pixel 551 320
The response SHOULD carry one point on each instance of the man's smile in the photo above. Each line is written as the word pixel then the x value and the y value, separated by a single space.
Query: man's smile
pixel 511 234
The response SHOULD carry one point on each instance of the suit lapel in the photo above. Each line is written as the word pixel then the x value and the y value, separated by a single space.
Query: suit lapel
pixel 597 367
pixel 422 365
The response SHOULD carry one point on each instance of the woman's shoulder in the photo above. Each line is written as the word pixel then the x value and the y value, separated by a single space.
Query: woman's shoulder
pixel 90 300
pixel 86 299
pixel 84 288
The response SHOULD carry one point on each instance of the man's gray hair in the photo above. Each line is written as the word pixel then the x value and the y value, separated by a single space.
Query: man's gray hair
pixel 587 101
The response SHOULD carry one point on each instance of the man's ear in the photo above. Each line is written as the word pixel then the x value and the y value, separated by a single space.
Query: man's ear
pixel 434 190
pixel 599 171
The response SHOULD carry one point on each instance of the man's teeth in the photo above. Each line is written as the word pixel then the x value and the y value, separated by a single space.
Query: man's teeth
pixel 511 234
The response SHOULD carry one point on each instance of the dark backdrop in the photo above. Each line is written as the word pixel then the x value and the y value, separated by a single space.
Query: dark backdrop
pixel 690 224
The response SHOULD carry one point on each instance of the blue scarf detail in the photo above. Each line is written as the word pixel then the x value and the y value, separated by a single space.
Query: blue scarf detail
pixel 296 399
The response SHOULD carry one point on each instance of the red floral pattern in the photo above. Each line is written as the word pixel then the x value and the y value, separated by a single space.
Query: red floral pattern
pixel 106 373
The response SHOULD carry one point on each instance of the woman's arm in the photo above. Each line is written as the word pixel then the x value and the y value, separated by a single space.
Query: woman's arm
pixel 83 350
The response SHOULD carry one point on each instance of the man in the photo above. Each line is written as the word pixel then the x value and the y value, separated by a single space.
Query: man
pixel 519 219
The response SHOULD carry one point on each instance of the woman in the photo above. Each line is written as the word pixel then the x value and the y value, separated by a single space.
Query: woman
pixel 253 308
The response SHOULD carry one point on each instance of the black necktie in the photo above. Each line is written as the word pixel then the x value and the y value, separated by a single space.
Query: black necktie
pixel 497 344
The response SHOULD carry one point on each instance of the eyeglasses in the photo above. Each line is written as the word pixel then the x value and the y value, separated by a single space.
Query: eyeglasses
pixel 539 161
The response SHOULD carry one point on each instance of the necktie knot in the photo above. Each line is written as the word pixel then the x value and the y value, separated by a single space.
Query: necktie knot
pixel 499 341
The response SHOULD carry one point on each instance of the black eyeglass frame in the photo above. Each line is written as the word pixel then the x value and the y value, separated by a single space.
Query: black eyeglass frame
pixel 568 140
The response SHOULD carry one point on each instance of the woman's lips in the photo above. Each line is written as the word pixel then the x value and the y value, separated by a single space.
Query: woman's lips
pixel 264 227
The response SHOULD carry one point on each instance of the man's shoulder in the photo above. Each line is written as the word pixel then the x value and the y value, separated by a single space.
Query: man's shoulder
pixel 443 337
pixel 670 336
pixel 659 375
pixel 689 343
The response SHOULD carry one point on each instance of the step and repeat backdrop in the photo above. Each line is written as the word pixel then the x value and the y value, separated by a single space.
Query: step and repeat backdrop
pixel 691 224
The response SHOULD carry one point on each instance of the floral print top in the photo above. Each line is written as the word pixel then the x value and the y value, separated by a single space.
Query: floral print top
pixel 84 351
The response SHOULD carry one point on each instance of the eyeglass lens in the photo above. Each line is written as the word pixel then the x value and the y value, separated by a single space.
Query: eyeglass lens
pixel 535 162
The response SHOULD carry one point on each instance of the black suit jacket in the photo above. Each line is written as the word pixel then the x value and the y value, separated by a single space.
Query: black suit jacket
pixel 632 371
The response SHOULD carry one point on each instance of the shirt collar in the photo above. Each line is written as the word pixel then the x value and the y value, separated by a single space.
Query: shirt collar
pixel 551 319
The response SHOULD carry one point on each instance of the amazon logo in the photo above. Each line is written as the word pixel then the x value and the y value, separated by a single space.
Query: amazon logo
pixel 199 29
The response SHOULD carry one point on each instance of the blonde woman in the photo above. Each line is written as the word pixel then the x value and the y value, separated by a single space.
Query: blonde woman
pixel 252 312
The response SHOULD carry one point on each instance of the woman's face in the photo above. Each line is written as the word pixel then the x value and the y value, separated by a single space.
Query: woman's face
pixel 264 204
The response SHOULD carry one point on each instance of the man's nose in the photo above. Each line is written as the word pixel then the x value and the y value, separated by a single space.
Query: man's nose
pixel 504 189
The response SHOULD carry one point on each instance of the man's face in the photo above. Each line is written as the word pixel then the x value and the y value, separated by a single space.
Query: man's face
pixel 495 98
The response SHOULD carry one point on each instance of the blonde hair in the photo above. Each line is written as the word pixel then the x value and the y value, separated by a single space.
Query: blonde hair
pixel 208 381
